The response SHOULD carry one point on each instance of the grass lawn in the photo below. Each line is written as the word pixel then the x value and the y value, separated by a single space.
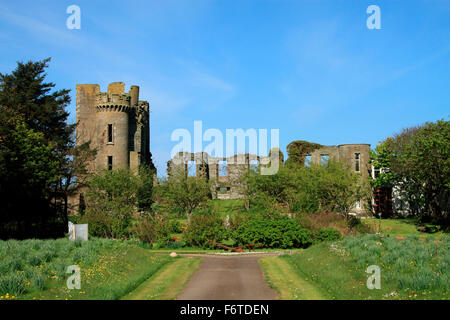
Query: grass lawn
pixel 167 282
pixel 227 206
pixel 399 227
pixel 410 268
pixel 281 275
pixel 36 269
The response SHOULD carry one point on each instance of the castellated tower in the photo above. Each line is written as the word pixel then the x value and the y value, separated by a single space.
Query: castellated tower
pixel 116 123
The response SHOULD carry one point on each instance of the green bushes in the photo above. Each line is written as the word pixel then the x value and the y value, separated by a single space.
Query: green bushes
pixel 305 203
pixel 273 233
pixel 153 227
pixel 310 189
pixel 205 226
pixel 175 226
pixel 329 234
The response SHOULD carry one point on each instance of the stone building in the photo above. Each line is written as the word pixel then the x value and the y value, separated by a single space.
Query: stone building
pixel 225 173
pixel 117 124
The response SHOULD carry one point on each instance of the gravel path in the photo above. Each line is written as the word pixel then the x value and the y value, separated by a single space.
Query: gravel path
pixel 236 277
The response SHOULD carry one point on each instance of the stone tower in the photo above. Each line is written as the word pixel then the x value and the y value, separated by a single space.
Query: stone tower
pixel 116 123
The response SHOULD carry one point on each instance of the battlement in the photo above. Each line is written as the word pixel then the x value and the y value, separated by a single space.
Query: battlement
pixel 108 100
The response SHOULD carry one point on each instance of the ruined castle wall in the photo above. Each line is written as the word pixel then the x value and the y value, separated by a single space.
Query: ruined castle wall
pixel 118 148
pixel 86 113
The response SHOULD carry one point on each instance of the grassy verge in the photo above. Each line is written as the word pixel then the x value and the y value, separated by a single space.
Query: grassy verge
pixel 399 227
pixel 167 283
pixel 36 269
pixel 410 268
pixel 228 206
pixel 282 276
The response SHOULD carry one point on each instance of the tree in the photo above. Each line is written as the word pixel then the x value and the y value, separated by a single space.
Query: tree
pixel 27 105
pixel 420 161
pixel 309 189
pixel 29 168
pixel 145 188
pixel 111 200
pixel 338 188
pixel 182 191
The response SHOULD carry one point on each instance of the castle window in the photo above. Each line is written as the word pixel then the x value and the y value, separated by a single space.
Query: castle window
pixel 307 160
pixel 191 169
pixel 110 133
pixel 110 162
pixel 357 162
pixel 254 164
pixel 223 168
pixel 324 159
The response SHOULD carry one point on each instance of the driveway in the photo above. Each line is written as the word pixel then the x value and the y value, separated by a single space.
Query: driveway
pixel 230 277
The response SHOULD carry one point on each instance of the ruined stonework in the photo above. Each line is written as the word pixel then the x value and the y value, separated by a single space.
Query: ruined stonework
pixel 356 156
pixel 230 186
pixel 116 123
pixel 224 173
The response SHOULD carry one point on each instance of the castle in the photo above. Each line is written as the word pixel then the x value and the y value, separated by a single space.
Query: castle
pixel 116 123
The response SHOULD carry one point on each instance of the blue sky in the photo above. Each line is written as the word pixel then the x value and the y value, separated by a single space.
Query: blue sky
pixel 311 69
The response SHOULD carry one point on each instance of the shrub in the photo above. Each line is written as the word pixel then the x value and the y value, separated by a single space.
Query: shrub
pixel 273 233
pixel 175 226
pixel 204 227
pixel 328 234
pixel 305 203
pixel 151 228
pixel 110 201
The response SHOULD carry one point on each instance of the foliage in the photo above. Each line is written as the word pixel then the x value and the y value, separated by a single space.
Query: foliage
pixel 145 188
pixel 337 188
pixel 36 153
pixel 410 263
pixel 175 226
pixel 151 228
pixel 379 158
pixel 419 161
pixel 205 226
pixel 264 191
pixel 297 150
pixel 410 269
pixel 329 234
pixel 182 191
pixel 37 268
pixel 111 199
pixel 273 233
pixel 310 189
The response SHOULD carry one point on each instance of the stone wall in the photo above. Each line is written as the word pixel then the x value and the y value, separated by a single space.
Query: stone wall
pixel 224 186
